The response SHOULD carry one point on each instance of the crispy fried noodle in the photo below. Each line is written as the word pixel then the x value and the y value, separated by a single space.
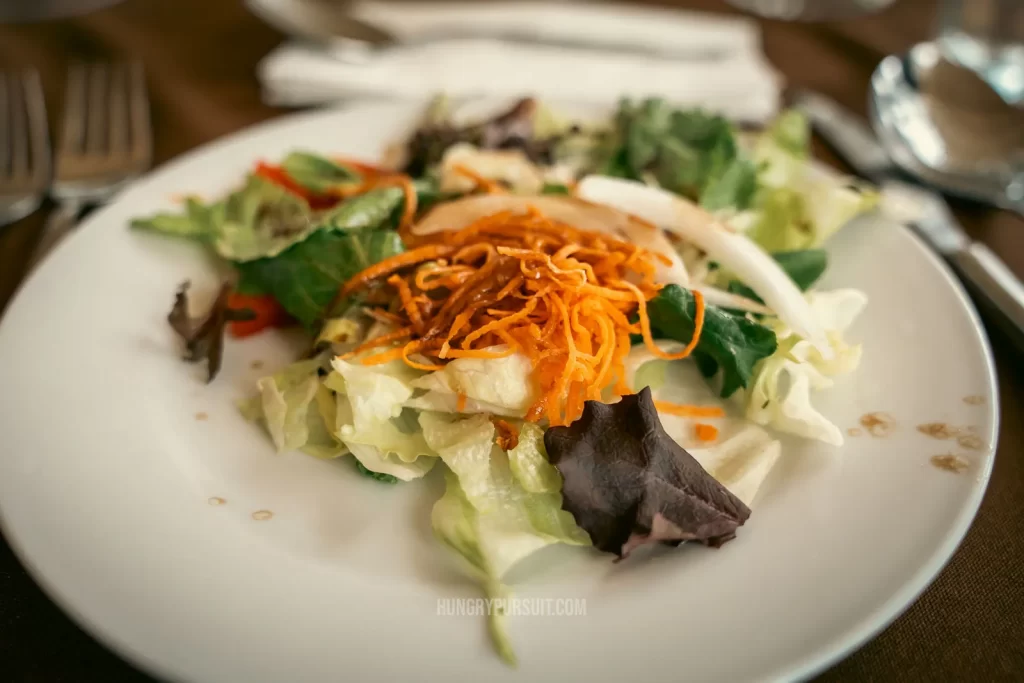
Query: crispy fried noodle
pixel 568 299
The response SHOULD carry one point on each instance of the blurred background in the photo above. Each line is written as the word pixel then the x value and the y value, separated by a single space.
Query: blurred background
pixel 942 81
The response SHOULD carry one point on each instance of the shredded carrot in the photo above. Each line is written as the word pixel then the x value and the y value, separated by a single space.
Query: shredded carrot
pixel 393 264
pixel 706 432
pixel 415 346
pixel 480 353
pixel 382 340
pixel 383 357
pixel 508 436
pixel 408 301
pixel 645 326
pixel 409 193
pixel 482 183
pixel 683 410
pixel 277 175
pixel 382 316
pixel 523 283
pixel 460 403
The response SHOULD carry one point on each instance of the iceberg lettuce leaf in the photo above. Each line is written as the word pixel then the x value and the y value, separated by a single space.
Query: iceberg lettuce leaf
pixel 780 395
pixel 799 204
pixel 529 462
pixel 503 383
pixel 286 398
pixel 371 422
pixel 487 516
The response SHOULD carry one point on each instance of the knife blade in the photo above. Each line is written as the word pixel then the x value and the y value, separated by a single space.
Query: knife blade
pixel 993 284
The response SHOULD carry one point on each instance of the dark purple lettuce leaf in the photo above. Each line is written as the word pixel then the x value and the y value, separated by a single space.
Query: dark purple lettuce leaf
pixel 512 129
pixel 204 334
pixel 628 483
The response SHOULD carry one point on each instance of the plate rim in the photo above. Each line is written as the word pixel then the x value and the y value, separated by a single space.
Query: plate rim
pixel 803 668
pixel 861 634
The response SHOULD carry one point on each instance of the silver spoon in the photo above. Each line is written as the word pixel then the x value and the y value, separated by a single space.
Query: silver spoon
pixel 939 140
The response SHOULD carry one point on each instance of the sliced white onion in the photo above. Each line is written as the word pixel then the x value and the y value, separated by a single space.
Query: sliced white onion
pixel 724 299
pixel 735 252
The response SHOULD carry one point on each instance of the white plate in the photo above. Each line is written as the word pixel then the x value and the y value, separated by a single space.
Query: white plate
pixel 106 474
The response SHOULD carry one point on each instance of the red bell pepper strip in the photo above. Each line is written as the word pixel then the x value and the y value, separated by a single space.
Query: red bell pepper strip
pixel 266 310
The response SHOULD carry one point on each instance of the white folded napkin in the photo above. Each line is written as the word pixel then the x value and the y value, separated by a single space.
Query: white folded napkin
pixel 725 70
pixel 605 21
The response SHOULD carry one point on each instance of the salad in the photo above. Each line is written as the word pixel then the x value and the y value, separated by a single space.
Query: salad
pixel 504 301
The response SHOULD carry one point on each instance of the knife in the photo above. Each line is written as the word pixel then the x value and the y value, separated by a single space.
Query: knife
pixel 993 284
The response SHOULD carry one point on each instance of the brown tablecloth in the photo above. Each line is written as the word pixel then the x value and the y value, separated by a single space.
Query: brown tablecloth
pixel 200 57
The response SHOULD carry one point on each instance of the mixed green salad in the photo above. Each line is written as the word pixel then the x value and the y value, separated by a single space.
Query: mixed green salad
pixel 517 301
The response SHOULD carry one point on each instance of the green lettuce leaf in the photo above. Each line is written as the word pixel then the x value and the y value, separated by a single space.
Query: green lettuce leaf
pixel 193 223
pixel 501 386
pixel 458 525
pixel 198 221
pixel 428 193
pixel 529 462
pixel 305 278
pixel 316 173
pixel 733 189
pixel 800 205
pixel 804 267
pixel 688 151
pixel 392 463
pixel 735 343
pixel 286 399
pixel 487 480
pixel 179 224
pixel 780 395
pixel 297 411
pixel 371 422
pixel 375 393
pixel 321 442
pixel 365 211
pixel 347 239
pixel 465 446
pixel 555 188
pixel 791 133
pixel 646 126
pixel 486 515
pixel 383 478
pixel 261 220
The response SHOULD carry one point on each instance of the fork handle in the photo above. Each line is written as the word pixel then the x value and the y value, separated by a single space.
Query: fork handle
pixel 58 225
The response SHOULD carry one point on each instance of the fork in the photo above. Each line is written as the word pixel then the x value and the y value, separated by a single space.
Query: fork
pixel 24 146
pixel 105 143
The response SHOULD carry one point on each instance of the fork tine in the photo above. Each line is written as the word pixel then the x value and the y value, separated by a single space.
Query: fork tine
pixel 73 131
pixel 18 130
pixel 39 132
pixel 142 137
pixel 117 129
pixel 4 137
pixel 96 119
